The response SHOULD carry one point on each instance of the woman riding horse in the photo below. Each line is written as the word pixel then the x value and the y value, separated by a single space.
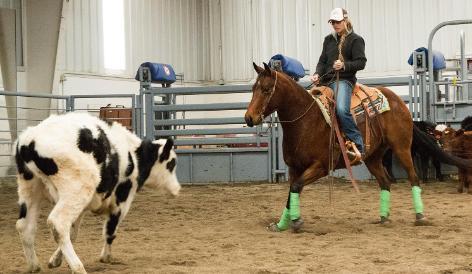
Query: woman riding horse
pixel 307 151
pixel 343 53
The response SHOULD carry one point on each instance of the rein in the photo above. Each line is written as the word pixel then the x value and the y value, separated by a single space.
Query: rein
pixel 312 84
pixel 266 103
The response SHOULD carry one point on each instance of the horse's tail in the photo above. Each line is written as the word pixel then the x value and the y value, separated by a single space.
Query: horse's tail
pixel 466 124
pixel 421 138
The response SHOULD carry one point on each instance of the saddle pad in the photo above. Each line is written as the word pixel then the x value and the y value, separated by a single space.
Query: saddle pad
pixel 323 97
pixel 380 104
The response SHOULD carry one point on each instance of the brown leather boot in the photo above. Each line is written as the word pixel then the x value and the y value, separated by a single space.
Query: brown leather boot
pixel 355 157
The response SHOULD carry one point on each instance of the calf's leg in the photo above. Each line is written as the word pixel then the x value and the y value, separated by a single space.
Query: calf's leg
pixel 30 193
pixel 56 258
pixel 74 197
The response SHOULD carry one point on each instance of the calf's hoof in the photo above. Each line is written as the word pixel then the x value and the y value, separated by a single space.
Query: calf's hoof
pixel 55 262
pixel 105 259
pixel 34 269
pixel 78 269
pixel 296 225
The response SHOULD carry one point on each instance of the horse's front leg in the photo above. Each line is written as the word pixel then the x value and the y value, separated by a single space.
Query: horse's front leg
pixel 291 216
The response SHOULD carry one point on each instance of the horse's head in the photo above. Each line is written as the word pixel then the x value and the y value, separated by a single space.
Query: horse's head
pixel 264 98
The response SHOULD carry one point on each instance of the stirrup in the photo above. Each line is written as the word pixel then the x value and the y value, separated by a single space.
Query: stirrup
pixel 355 157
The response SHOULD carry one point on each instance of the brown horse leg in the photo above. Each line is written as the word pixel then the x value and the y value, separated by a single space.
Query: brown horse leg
pixel 404 156
pixel 468 180
pixel 462 178
pixel 377 169
pixel 310 175
pixel 292 210
pixel 284 222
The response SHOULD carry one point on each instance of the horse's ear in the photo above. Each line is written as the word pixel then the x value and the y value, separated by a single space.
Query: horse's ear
pixel 459 132
pixel 257 68
pixel 266 67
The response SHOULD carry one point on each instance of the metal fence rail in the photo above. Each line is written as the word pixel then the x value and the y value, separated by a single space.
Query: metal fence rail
pixel 28 109
pixel 219 148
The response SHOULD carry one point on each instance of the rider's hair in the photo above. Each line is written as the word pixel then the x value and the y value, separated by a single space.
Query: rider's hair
pixel 347 28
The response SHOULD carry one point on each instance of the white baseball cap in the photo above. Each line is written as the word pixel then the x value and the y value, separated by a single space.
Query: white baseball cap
pixel 337 14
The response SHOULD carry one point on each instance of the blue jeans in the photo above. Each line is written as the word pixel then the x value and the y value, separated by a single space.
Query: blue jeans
pixel 343 112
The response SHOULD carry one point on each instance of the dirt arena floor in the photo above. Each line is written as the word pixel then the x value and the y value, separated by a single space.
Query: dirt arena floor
pixel 221 229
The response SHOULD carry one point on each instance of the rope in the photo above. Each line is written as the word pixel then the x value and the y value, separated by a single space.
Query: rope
pixel 331 132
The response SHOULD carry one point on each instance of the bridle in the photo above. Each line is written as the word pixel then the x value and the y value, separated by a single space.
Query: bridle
pixel 267 101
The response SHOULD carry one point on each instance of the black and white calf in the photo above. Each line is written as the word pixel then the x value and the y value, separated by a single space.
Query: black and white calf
pixel 81 163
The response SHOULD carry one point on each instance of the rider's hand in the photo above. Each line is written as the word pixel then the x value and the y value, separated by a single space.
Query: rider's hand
pixel 338 65
pixel 315 78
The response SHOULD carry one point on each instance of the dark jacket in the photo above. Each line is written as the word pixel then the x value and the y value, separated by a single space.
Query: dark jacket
pixel 353 53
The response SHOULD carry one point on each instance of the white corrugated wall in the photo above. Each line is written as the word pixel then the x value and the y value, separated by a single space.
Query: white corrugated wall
pixel 16 5
pixel 170 31
pixel 82 41
pixel 196 35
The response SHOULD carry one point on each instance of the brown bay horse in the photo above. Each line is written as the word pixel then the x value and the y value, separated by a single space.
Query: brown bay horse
pixel 306 141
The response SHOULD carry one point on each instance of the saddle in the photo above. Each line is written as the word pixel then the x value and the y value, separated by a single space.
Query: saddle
pixel 364 100
pixel 361 94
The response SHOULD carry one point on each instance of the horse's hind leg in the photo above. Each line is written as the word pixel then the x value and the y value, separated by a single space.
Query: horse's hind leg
pixel 30 194
pixel 377 169
pixel 387 161
pixel 404 156
pixel 437 167
pixel 468 180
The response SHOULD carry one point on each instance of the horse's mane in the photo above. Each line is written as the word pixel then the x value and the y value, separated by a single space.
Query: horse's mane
pixel 292 82
pixel 424 125
pixel 466 124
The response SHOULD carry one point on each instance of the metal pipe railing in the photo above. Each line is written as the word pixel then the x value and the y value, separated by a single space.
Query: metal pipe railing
pixel 430 57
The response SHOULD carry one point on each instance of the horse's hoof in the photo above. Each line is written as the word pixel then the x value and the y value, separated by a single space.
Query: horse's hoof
pixel 421 220
pixel 296 225
pixel 272 227
pixel 383 221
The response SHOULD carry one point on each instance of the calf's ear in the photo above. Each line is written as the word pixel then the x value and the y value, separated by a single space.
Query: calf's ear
pixel 169 143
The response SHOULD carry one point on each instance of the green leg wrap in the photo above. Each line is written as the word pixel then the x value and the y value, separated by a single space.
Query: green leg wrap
pixel 384 203
pixel 284 222
pixel 417 203
pixel 294 206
